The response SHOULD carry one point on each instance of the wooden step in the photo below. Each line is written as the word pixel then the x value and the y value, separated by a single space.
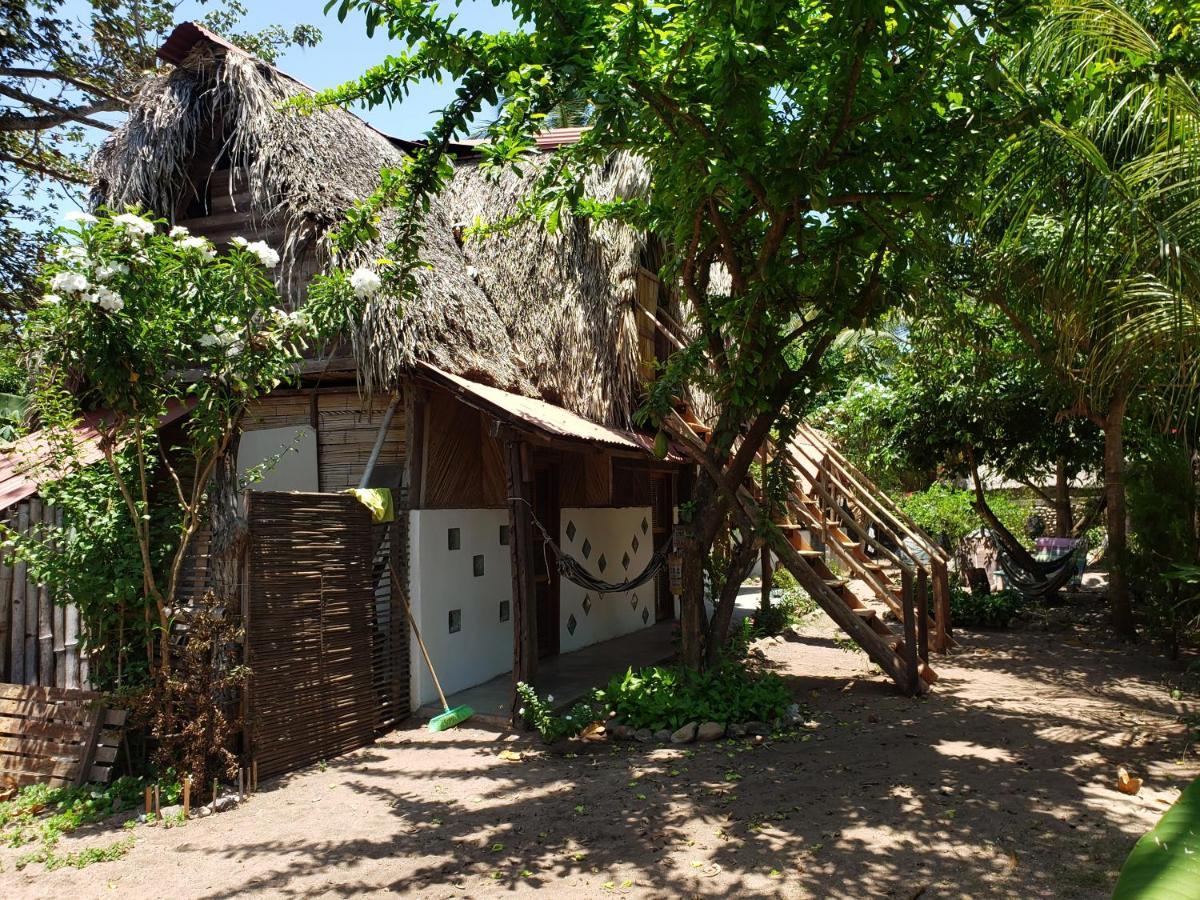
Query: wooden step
pixel 865 613
pixel 836 583
pixel 809 552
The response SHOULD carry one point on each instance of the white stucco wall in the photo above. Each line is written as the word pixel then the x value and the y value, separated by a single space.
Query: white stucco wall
pixel 443 580
pixel 292 452
pixel 612 532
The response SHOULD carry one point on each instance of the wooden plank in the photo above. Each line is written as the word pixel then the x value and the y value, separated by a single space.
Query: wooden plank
pixel 6 582
pixel 48 694
pixel 39 729
pixel 911 661
pixel 26 746
pixel 520 541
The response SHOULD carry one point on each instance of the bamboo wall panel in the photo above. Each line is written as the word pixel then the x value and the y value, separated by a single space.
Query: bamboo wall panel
pixel 310 629
pixel 39 639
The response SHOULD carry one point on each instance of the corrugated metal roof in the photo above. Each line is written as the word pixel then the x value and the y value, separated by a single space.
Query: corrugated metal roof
pixel 545 417
pixel 27 464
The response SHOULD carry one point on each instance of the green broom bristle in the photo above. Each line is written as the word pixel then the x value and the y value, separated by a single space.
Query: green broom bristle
pixel 450 718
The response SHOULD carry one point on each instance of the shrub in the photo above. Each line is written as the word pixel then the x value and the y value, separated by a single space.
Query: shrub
pixel 660 697
pixel 552 727
pixel 789 609
pixel 994 610
pixel 949 515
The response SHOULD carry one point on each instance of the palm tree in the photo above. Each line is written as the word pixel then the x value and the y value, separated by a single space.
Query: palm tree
pixel 1096 201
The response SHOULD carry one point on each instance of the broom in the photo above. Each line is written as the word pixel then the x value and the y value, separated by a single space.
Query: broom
pixel 450 717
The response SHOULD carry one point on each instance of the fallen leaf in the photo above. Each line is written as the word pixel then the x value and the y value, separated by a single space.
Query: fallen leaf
pixel 1126 783
pixel 510 755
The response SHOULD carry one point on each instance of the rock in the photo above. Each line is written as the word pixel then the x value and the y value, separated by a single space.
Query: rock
pixel 621 732
pixel 685 735
pixel 737 730
pixel 795 715
pixel 643 735
pixel 758 729
pixel 201 811
pixel 663 735
pixel 224 804
pixel 169 812
pixel 710 731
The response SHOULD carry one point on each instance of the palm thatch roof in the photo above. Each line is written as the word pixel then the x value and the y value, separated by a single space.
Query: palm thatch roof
pixel 545 315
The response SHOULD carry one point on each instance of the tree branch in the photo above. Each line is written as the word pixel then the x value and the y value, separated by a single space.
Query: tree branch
pixel 50 75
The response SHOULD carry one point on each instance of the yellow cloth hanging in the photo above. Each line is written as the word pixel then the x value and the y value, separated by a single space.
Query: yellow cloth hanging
pixel 378 501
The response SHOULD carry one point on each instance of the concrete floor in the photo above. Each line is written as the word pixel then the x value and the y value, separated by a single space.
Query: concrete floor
pixel 569 676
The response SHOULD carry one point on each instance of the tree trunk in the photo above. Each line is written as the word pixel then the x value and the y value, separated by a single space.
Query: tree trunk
pixel 739 567
pixel 227 521
pixel 692 617
pixel 1120 604
pixel 764 601
pixel 1063 515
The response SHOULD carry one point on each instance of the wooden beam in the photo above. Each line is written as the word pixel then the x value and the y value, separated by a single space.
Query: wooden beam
pixel 520 540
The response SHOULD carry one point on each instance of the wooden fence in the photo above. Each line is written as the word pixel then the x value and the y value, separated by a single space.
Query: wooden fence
pixel 39 639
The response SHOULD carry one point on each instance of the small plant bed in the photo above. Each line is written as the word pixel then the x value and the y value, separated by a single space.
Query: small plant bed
pixel 977 610
pixel 670 704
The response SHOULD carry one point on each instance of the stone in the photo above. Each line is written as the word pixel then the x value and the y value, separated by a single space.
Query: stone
pixel 224 804
pixel 621 732
pixel 686 734
pixel 710 731
pixel 643 735
pixel 201 811
pixel 795 715
pixel 758 729
pixel 169 812
pixel 663 735
pixel 736 730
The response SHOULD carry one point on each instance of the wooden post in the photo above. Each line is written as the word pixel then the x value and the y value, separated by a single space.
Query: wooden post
pixel 187 796
pixel 17 632
pixel 520 537
pixel 31 602
pixel 941 606
pixel 923 614
pixel 910 630
pixel 6 582
pixel 46 612
pixel 149 801
pixel 254 775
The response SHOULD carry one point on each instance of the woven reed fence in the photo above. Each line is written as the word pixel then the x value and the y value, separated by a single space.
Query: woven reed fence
pixel 325 644
pixel 39 639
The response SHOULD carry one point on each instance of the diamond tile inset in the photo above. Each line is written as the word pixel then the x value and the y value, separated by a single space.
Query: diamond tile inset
pixel 571 624
pixel 633 601
pixel 570 531
pixel 602 562
pixel 645 614
pixel 587 548
pixel 625 561
pixel 587 604
pixel 645 525
pixel 636 543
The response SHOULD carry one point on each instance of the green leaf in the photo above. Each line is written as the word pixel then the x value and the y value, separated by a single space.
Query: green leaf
pixel 1165 863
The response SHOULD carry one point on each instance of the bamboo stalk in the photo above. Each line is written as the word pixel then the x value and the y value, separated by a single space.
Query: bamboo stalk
pixel 17 628
pixel 6 582
pixel 31 602
pixel 46 614
pixel 60 619
pixel 71 645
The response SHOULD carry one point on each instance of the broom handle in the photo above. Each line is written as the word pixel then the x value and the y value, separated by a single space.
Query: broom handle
pixel 417 631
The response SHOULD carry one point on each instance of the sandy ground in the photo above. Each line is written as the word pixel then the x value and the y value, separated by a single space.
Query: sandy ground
pixel 999 784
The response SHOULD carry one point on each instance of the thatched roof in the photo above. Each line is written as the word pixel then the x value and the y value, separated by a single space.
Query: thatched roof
pixel 544 315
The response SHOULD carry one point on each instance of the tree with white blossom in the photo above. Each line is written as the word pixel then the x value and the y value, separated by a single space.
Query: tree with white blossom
pixel 139 320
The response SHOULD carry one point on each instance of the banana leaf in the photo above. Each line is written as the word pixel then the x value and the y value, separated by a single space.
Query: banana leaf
pixel 1165 863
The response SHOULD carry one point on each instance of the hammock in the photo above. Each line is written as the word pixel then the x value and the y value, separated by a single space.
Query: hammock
pixel 1046 578
pixel 573 570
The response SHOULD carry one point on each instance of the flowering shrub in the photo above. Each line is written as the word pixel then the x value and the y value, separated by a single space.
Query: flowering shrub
pixel 540 714
pixel 136 319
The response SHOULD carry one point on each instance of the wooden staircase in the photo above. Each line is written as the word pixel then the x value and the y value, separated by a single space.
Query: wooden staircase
pixel 835 513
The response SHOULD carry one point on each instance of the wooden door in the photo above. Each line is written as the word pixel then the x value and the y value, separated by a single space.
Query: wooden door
pixel 662 509
pixel 545 574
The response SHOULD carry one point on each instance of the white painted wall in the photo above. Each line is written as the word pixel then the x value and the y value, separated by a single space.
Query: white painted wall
pixel 611 532
pixel 294 469
pixel 443 579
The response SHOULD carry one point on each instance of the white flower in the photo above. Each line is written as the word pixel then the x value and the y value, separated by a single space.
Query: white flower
pixel 239 241
pixel 71 254
pixel 178 231
pixel 106 299
pixel 549 698
pixel 197 243
pixel 51 300
pixel 521 711
pixel 234 348
pixel 266 256
pixel 209 340
pixel 135 225
pixel 69 282
pixel 105 271
pixel 365 282
pixel 83 218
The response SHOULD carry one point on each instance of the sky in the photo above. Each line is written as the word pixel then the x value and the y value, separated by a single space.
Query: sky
pixel 346 52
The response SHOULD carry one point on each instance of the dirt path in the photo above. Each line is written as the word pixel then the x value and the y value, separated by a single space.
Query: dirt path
pixel 997 785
